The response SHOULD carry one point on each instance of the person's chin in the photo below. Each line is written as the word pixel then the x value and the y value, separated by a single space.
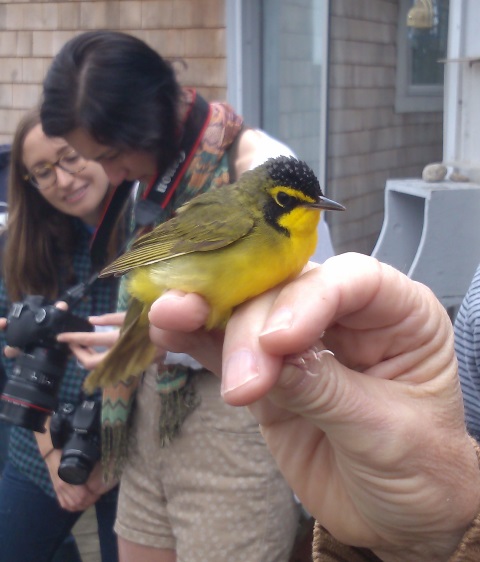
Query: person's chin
pixel 142 178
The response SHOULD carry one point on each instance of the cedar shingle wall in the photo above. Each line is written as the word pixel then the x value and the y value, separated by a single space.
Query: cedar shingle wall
pixel 367 141
pixel 31 32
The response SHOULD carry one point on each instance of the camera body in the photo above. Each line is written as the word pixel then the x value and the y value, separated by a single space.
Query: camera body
pixel 77 432
pixel 30 395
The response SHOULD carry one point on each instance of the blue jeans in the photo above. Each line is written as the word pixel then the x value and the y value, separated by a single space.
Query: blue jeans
pixel 4 438
pixel 33 525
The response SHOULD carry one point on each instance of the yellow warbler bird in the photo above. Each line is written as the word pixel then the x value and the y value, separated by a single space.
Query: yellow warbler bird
pixel 228 245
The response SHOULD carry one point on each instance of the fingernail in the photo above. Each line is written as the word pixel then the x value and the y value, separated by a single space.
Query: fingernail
pixel 169 296
pixel 310 361
pixel 282 319
pixel 240 368
pixel 172 294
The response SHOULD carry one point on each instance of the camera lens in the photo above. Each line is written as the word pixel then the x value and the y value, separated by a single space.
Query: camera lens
pixel 29 397
pixel 79 455
pixel 23 415
pixel 22 405
pixel 74 469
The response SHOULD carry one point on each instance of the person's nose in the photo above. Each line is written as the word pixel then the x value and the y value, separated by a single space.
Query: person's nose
pixel 116 173
pixel 64 179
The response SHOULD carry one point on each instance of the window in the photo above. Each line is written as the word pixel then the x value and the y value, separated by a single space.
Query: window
pixel 419 83
pixel 277 71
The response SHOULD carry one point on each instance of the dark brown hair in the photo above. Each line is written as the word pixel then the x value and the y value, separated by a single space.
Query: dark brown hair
pixel 40 239
pixel 118 89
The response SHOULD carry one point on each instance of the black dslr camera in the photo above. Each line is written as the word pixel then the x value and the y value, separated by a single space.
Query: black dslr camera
pixel 30 395
pixel 77 432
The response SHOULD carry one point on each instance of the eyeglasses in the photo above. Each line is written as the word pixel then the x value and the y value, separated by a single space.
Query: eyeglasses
pixel 45 176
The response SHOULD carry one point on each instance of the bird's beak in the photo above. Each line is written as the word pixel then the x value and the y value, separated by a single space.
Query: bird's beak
pixel 327 204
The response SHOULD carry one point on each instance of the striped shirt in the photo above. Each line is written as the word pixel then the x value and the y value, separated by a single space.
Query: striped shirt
pixel 467 348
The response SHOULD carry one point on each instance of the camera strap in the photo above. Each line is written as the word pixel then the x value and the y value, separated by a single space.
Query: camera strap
pixel 99 242
pixel 159 191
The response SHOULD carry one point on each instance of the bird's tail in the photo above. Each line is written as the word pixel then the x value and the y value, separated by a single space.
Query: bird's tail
pixel 132 353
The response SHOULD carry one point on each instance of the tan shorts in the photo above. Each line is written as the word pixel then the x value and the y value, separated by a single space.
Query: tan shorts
pixel 214 494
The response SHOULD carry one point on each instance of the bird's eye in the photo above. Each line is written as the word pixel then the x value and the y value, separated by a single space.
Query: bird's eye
pixel 285 200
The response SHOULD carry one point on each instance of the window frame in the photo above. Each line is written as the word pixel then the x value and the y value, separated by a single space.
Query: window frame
pixel 411 98
pixel 244 67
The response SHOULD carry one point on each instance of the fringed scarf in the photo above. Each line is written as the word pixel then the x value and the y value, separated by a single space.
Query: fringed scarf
pixel 208 170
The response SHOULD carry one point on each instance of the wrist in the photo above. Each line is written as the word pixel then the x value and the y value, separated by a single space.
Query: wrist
pixel 452 543
pixel 48 453
pixel 52 456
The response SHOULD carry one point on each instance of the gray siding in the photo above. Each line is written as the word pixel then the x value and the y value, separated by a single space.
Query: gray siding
pixel 368 142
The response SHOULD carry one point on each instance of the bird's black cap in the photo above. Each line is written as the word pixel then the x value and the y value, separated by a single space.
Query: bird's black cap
pixel 287 170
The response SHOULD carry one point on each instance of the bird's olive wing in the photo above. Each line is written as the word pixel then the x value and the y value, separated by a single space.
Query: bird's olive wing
pixel 205 225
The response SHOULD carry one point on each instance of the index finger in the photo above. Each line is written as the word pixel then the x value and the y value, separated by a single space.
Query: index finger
pixel 371 316
pixel 353 290
pixel 306 307
pixel 89 339
pixel 109 319
pixel 248 371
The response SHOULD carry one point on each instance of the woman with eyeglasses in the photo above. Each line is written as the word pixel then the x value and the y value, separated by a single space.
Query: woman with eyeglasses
pixel 55 201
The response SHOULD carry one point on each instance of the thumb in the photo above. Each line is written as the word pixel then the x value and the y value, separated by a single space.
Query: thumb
pixel 317 387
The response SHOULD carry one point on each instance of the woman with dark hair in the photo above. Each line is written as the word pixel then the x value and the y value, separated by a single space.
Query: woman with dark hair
pixel 55 200
pixel 122 93
pixel 198 482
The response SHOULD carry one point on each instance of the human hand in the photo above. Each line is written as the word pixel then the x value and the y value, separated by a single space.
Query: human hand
pixel 96 483
pixel 90 348
pixel 372 439
pixel 177 321
pixel 70 497
pixel 13 352
pixel 8 351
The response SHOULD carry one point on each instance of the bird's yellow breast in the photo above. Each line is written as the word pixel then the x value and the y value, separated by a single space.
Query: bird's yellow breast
pixel 229 276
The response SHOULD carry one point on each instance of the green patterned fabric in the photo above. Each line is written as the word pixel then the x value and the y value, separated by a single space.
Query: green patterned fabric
pixel 209 169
